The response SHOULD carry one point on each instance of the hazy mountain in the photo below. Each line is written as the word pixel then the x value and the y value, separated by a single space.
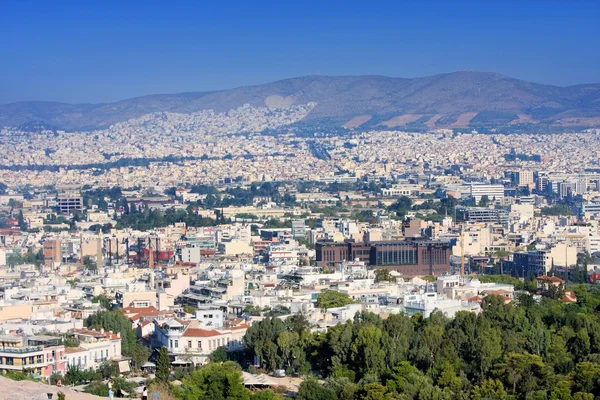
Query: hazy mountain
pixel 447 100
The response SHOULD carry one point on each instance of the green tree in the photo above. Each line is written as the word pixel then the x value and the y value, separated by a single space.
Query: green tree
pixel 484 201
pixel 344 388
pixel 332 299
pixel 189 309
pixel 140 354
pixel 89 263
pixel 311 389
pixel 383 275
pixel 518 366
pixel 265 395
pixel 163 365
pixel 216 381
pixel 219 354
pixel 366 351
pixel 586 377
pixel 398 331
pixel 22 222
pixel 115 321
pixel 489 389
pixel 261 339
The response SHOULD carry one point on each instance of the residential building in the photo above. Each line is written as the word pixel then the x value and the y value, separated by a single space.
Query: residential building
pixel 41 355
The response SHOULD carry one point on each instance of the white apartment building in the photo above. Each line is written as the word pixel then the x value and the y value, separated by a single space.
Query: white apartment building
pixel 427 303
pixel 187 342
pixel 95 347
pixel 524 178
pixel 493 192
pixel 401 190
pixel 210 318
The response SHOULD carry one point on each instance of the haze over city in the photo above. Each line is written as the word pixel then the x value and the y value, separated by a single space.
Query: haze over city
pixel 270 200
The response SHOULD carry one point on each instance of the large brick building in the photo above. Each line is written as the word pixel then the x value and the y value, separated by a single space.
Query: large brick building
pixel 409 257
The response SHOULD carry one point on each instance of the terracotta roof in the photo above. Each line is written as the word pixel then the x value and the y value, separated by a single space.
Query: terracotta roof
pixel 138 310
pixel 550 278
pixel 242 326
pixel 499 292
pixel 96 334
pixel 71 350
pixel 569 297
pixel 197 332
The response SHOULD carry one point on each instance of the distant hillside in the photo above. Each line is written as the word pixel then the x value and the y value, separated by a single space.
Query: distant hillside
pixel 459 99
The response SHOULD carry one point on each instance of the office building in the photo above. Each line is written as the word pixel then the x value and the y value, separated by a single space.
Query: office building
pixel 52 252
pixel 524 178
pixel 493 192
pixel 410 257
pixel 69 202
pixel 299 229
pixel 482 214
pixel 541 185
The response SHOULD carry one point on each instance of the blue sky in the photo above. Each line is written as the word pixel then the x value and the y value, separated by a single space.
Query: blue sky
pixel 98 51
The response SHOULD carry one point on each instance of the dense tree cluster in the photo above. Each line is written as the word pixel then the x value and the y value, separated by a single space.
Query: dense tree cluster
pixel 150 219
pixel 443 207
pixel 219 381
pixel 527 349
pixel 238 196
pixel 28 257
pixel 333 299
pixel 116 322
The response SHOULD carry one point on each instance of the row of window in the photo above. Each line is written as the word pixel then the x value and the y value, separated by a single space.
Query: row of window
pixel 212 344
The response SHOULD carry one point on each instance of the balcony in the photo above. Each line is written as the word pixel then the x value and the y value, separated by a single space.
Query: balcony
pixel 21 350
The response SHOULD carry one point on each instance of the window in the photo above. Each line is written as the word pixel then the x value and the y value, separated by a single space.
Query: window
pixel 176 343
pixel 171 343
pixel 190 344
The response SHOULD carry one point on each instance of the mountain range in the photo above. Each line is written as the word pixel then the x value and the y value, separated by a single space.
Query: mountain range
pixel 453 100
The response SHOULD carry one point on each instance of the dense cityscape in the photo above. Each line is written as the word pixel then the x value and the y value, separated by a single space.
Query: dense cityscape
pixel 176 242
pixel 300 200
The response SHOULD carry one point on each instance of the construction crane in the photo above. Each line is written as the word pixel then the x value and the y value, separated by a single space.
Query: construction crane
pixel 462 251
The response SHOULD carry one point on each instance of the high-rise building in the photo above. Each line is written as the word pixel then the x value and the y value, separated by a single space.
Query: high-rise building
pixel 52 252
pixel 69 202
pixel 493 192
pixel 524 178
pixel 409 257
pixel 482 214
pixel 541 184
pixel 299 229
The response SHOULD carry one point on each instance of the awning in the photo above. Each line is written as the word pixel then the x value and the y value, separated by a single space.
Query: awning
pixel 124 366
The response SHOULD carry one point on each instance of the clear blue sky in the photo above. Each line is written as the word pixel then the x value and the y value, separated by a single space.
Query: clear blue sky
pixel 97 51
